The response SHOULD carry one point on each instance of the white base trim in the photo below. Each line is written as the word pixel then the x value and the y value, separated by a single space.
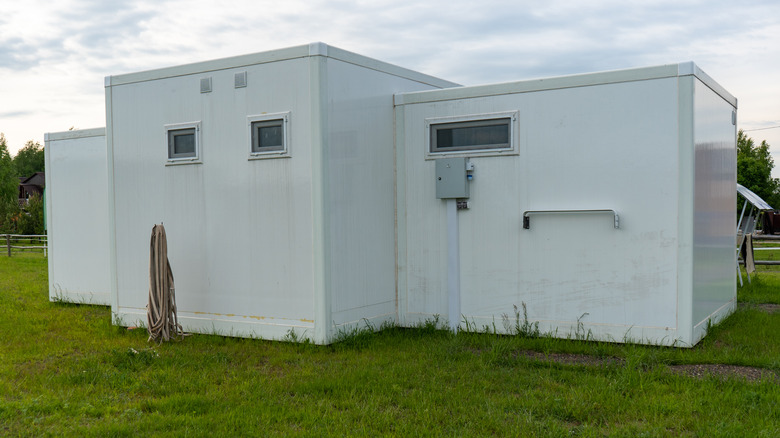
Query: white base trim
pixel 226 325
pixel 93 298
pixel 700 329
pixel 374 322
pixel 666 336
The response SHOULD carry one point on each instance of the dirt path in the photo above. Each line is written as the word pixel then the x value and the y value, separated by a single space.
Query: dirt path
pixel 699 371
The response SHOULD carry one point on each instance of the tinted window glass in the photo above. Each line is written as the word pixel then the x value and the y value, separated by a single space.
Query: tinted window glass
pixel 267 136
pixel 470 135
pixel 473 136
pixel 184 144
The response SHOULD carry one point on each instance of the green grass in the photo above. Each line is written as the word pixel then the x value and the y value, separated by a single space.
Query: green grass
pixel 764 287
pixel 65 370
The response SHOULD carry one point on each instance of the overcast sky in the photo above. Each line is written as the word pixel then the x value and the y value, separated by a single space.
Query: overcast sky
pixel 55 54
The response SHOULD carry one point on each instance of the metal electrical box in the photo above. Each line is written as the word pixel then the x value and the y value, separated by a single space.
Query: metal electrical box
pixel 451 178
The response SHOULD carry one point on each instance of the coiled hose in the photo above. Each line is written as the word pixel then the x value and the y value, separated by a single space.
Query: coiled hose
pixel 161 317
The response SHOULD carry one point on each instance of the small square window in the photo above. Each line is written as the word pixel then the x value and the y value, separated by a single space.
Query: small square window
pixel 269 136
pixel 183 142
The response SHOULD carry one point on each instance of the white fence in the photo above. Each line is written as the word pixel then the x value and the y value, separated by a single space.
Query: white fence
pixel 25 242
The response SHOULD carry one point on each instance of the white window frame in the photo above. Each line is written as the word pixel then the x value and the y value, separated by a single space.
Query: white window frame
pixel 513 149
pixel 168 147
pixel 261 155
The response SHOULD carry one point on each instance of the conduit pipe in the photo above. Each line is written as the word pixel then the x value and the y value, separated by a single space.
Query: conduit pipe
pixel 453 265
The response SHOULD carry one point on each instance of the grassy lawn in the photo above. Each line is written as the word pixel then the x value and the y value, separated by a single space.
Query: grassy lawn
pixel 65 370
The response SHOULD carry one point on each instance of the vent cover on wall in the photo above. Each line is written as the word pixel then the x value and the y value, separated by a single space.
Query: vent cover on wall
pixel 205 85
pixel 240 80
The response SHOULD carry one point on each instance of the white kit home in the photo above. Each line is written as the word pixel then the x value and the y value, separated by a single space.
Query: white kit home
pixel 77 210
pixel 603 202
pixel 273 174
pixel 312 189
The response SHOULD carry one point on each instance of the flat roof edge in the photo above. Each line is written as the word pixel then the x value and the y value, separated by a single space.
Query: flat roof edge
pixel 690 68
pixel 289 53
pixel 207 66
pixel 386 67
pixel 76 133
pixel 568 81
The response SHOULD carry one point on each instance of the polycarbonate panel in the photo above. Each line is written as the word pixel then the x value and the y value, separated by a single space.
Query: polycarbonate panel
pixel 714 228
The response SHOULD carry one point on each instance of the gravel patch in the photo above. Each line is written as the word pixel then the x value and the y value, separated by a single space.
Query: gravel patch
pixel 750 374
pixel 698 371
pixel 570 359
pixel 764 307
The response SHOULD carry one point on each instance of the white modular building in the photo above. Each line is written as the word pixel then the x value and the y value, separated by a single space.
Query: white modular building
pixel 77 216
pixel 603 203
pixel 310 189
pixel 274 176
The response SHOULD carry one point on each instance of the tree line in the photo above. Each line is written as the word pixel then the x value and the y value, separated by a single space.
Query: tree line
pixel 15 218
pixel 754 169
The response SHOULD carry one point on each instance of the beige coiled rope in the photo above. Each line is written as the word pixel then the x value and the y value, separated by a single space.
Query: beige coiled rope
pixel 162 321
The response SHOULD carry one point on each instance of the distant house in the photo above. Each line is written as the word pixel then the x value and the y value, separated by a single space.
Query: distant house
pixel 29 186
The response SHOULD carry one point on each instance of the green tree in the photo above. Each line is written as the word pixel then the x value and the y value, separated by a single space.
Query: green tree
pixel 754 169
pixel 8 181
pixel 29 159
pixel 30 221
pixel 9 189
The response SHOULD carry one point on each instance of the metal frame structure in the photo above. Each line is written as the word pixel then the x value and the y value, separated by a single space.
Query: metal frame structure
pixel 747 225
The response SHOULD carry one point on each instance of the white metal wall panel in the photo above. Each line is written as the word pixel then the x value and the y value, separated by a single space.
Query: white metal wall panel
pixel 309 242
pixel 77 212
pixel 239 230
pixel 608 146
pixel 262 246
pixel 714 228
pixel 361 190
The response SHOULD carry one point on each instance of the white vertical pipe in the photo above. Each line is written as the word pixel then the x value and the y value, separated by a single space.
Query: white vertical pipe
pixel 453 265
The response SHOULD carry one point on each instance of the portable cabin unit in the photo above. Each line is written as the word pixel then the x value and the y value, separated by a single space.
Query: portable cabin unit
pixel 77 216
pixel 273 174
pixel 603 203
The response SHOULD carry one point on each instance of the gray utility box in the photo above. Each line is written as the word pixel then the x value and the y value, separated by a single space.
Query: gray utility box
pixel 451 178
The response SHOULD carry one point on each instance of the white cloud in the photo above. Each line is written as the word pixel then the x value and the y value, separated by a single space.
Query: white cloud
pixel 54 55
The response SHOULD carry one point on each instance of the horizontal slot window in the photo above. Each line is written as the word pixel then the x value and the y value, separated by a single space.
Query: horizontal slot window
pixel 473 135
